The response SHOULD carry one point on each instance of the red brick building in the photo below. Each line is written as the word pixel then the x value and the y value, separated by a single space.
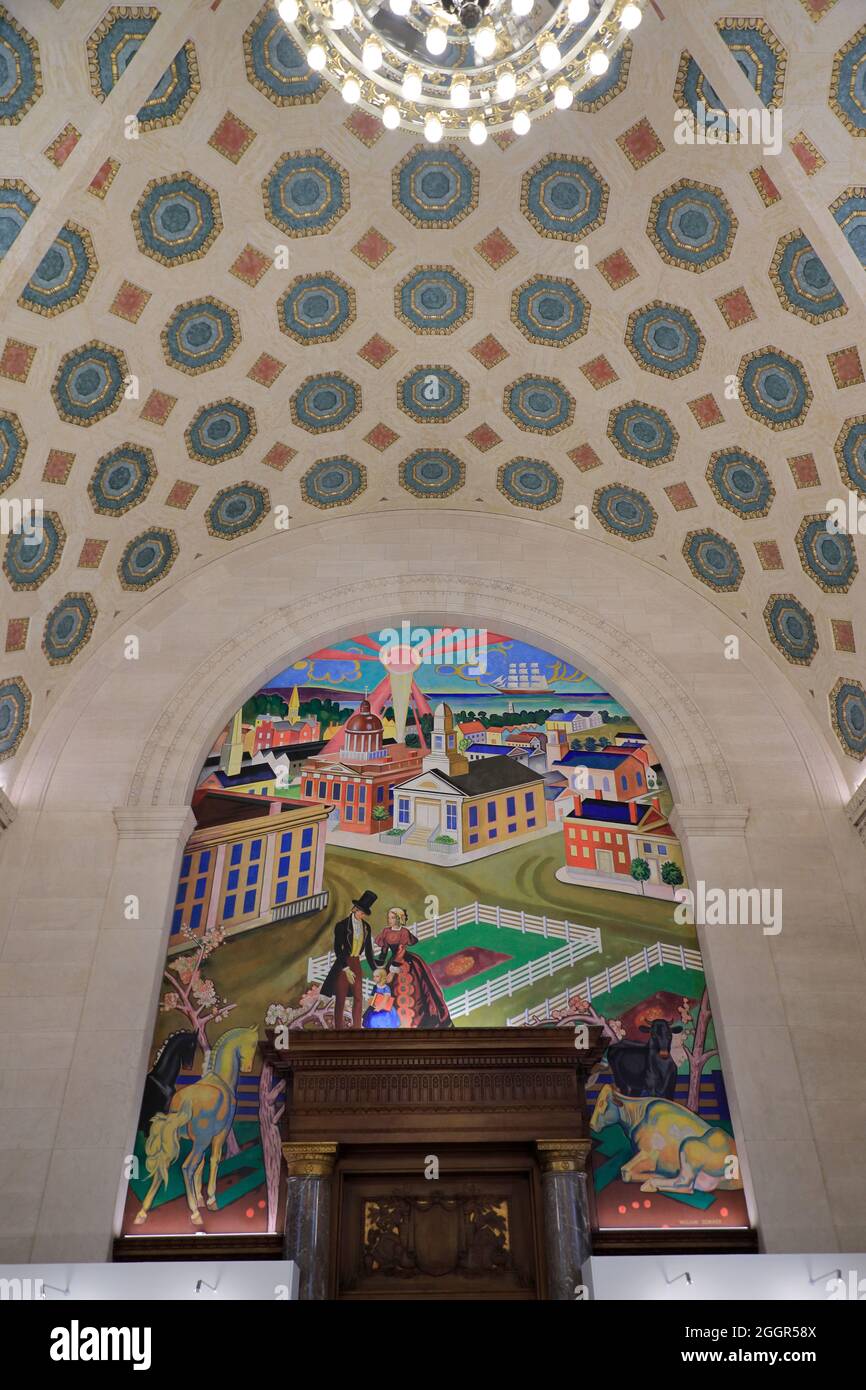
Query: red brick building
pixel 359 779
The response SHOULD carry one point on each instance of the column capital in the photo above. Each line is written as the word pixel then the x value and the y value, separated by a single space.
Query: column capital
pixel 310 1160
pixel 855 809
pixel 563 1155
pixel 717 819
pixel 7 812
pixel 154 822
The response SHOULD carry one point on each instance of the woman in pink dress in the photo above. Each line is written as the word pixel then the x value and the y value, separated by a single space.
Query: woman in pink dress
pixel 418 996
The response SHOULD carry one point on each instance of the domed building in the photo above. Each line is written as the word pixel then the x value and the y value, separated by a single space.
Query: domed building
pixel 357 771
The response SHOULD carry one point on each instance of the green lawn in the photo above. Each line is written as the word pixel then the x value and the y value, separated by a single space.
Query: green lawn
pixel 269 965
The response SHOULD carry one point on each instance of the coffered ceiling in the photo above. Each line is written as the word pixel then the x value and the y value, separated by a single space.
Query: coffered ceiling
pixel 229 301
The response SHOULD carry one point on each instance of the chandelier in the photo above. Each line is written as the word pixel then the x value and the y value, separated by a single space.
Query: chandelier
pixel 460 68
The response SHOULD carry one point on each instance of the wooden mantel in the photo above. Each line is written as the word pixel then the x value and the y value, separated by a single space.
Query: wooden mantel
pixel 458 1085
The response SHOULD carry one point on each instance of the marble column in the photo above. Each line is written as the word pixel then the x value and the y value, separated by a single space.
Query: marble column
pixel 566 1213
pixel 308 1214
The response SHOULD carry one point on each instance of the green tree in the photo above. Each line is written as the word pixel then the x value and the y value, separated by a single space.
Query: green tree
pixel 591 744
pixel 672 874
pixel 604 742
pixel 381 813
pixel 640 871
pixel 577 745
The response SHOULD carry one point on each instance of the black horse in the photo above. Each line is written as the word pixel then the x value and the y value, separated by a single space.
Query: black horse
pixel 177 1051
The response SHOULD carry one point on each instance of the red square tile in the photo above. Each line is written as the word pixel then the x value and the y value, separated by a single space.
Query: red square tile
pixel 617 269
pixel 372 248
pixel 846 367
pixel 58 466
pixel 811 159
pixel 158 407
pixel 266 369
pixel 736 307
pixel 599 373
pixel 680 497
pixel 279 455
pixel 585 457
pixel 377 351
pixel 504 138
pixel 769 555
pixel 706 411
pixel 16 360
pixel 484 437
pixel 91 554
pixel 103 178
pixel 767 190
pixel 489 352
pixel 816 9
pixel 251 265
pixel 640 144
pixel 843 635
pixel 62 145
pixel 16 634
pixel 381 437
pixel 364 126
pixel 804 470
pixel 496 249
pixel 181 494
pixel 232 137
pixel 130 302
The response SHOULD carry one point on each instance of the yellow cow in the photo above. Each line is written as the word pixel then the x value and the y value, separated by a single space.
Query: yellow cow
pixel 675 1150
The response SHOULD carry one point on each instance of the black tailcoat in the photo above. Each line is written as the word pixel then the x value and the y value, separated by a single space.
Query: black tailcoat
pixel 343 933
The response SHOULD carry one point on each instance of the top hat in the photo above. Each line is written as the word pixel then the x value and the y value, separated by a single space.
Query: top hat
pixel 365 902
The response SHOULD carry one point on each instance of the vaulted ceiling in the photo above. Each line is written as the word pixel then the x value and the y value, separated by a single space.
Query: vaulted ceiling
pixel 224 292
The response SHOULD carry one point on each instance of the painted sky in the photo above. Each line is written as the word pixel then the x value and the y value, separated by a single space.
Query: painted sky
pixel 361 669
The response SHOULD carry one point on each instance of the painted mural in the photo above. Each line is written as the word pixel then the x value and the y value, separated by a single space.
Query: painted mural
pixel 418 829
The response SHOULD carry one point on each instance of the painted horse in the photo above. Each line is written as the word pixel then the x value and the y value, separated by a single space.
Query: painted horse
pixel 675 1150
pixel 177 1051
pixel 204 1113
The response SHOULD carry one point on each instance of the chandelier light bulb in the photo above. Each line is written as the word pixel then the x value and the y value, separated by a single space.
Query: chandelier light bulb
pixel 599 63
pixel 390 116
pixel 351 91
pixel 522 7
pixel 316 56
pixel 460 94
pixel 485 41
pixel 433 129
pixel 436 40
pixel 372 54
pixel 288 11
pixel 400 7
pixel 411 87
pixel 521 123
pixel 563 96
pixel 478 132
pixel 550 55
pixel 506 85
pixel 631 17
pixel 578 11
pixel 343 12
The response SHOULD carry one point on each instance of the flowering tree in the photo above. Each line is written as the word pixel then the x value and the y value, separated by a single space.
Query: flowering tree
pixel 694 1044
pixel 194 995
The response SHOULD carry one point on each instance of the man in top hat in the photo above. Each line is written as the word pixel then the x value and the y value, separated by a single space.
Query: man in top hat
pixel 352 939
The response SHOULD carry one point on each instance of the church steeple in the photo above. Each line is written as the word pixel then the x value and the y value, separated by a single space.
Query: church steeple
pixel 444 755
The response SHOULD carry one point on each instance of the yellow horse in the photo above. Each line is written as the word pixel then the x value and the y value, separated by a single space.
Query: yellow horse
pixel 203 1112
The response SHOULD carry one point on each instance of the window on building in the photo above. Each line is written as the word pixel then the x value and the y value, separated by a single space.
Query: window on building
pixel 307 837
pixel 623 782
pixel 286 841
pixel 473 816
pixel 510 807
pixel 491 810
pixel 403 810
pixel 250 900
pixel 450 816
pixel 306 861
pixel 660 849
pixel 531 822
pixel 530 801
pixel 380 794
pixel 303 887
pixel 322 788
pixel 237 851
pixel 647 847
pixel 308 787
pixel 338 790
pixel 639 778
pixel 512 827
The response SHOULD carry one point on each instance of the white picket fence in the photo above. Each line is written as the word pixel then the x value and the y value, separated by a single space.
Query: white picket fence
pixel 579 941
pixel 608 979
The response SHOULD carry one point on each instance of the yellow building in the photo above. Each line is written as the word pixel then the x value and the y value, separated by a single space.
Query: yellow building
pixel 245 865
pixel 456 807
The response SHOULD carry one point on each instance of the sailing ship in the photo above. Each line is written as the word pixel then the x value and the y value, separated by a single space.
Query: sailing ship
pixel 523 678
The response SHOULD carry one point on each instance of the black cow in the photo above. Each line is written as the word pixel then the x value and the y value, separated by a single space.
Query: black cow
pixel 646 1069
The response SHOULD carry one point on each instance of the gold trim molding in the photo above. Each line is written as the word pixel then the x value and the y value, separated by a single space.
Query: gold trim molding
pixel 310 1160
pixel 563 1155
